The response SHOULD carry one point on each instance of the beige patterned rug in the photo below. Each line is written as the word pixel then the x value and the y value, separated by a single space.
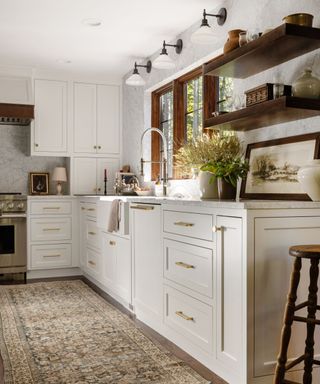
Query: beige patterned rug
pixel 63 332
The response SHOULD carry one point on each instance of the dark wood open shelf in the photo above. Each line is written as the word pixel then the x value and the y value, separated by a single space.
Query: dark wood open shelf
pixel 278 46
pixel 268 113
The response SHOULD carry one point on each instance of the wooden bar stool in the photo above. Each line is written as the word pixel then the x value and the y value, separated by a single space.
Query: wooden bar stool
pixel 311 252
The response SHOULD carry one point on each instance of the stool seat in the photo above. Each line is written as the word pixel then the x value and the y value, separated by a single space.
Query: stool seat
pixel 305 251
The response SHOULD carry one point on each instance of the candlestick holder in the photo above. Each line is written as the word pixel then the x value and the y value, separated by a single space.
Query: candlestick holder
pixel 105 186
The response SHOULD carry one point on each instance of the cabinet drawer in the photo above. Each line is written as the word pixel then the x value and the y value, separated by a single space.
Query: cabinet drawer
pixel 50 256
pixel 51 207
pixel 93 235
pixel 189 224
pixel 48 229
pixel 189 265
pixel 189 317
pixel 89 209
pixel 94 263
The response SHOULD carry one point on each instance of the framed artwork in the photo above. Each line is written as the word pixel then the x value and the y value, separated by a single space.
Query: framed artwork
pixel 39 183
pixel 274 165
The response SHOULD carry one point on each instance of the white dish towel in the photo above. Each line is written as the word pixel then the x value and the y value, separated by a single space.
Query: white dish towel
pixel 114 217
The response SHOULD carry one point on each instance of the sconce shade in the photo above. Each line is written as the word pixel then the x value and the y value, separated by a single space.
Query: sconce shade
pixel 59 174
pixel 203 35
pixel 135 80
pixel 163 61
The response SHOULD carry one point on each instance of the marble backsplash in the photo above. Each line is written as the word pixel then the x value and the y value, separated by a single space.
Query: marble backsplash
pixel 15 163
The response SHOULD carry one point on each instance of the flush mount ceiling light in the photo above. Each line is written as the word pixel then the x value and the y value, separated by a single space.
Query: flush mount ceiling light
pixel 135 79
pixel 91 22
pixel 163 61
pixel 205 34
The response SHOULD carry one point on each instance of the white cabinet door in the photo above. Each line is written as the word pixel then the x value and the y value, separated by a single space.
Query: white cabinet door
pixel 272 270
pixel 109 260
pixel 85 116
pixel 123 268
pixel 50 124
pixel 147 256
pixel 112 166
pixel 108 119
pixel 230 293
pixel 84 176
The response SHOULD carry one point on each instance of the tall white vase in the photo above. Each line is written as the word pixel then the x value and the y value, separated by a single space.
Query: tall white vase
pixel 208 190
pixel 309 178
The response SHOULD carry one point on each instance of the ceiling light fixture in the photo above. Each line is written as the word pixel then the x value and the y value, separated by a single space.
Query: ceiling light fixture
pixel 205 34
pixel 91 22
pixel 135 79
pixel 163 61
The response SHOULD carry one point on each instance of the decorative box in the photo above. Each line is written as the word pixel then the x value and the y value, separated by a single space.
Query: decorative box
pixel 266 92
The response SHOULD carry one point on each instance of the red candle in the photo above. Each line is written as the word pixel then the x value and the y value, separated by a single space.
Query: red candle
pixel 105 173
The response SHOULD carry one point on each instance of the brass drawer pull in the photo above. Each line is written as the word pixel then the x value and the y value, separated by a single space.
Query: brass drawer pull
pixel 183 224
pixel 91 233
pixel 185 317
pixel 184 265
pixel 58 255
pixel 91 262
pixel 51 229
pixel 216 228
pixel 51 207
pixel 143 207
pixel 91 209
pixel 111 242
pixel 83 209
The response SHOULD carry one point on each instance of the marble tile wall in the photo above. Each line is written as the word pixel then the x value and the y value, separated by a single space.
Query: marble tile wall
pixel 15 164
pixel 244 14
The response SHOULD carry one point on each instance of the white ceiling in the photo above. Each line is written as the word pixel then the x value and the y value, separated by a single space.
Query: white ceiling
pixel 42 33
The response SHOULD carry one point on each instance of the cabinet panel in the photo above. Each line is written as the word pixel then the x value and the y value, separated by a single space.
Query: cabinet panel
pixel 50 125
pixel 123 268
pixel 51 256
pixel 84 118
pixel 112 166
pixel 84 176
pixel 49 229
pixel 272 269
pixel 94 263
pixel 93 235
pixel 189 265
pixel 230 295
pixel 109 260
pixel 51 207
pixel 108 123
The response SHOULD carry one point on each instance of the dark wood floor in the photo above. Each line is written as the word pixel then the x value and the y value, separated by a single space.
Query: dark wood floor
pixel 150 333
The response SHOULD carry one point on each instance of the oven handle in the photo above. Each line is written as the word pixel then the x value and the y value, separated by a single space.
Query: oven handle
pixel 13 216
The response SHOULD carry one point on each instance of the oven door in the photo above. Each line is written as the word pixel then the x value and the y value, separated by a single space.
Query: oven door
pixel 13 244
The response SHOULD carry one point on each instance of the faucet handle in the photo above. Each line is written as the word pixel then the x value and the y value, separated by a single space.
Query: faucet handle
pixel 141 166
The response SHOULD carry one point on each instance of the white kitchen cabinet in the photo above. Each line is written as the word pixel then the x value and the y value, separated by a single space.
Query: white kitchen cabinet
pixel 96 119
pixel 272 270
pixel 116 253
pixel 50 126
pixel 230 293
pixel 147 263
pixel 88 175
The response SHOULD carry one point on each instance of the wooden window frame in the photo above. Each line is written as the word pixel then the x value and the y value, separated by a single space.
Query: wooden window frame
pixel 210 97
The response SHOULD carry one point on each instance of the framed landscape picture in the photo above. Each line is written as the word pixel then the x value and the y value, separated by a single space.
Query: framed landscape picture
pixel 39 183
pixel 274 165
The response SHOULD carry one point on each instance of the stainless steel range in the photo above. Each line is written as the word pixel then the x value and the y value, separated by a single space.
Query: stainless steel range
pixel 13 233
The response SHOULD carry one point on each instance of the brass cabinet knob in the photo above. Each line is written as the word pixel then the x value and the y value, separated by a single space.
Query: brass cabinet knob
pixel 36 145
pixel 99 147
pixel 216 228
pixel 94 147
pixel 111 242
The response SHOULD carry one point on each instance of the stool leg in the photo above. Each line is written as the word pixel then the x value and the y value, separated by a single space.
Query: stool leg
pixel 312 309
pixel 288 319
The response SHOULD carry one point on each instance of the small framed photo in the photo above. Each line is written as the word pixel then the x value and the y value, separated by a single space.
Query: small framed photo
pixel 39 183
pixel 274 165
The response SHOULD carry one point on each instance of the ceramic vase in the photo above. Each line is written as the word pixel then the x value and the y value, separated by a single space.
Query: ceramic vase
pixel 307 86
pixel 309 178
pixel 226 191
pixel 233 40
pixel 208 190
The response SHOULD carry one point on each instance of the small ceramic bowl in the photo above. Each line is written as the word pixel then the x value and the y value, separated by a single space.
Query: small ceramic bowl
pixel 304 19
pixel 144 193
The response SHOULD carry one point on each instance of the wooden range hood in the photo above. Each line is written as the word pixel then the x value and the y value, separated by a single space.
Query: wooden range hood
pixel 16 114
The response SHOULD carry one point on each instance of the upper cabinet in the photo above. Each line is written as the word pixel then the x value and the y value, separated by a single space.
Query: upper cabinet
pixel 49 130
pixel 96 119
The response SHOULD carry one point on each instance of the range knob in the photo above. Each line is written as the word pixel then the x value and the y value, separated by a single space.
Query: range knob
pixel 10 205
pixel 20 206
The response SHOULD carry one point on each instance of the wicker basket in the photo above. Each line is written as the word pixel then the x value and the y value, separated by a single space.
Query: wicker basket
pixel 263 93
